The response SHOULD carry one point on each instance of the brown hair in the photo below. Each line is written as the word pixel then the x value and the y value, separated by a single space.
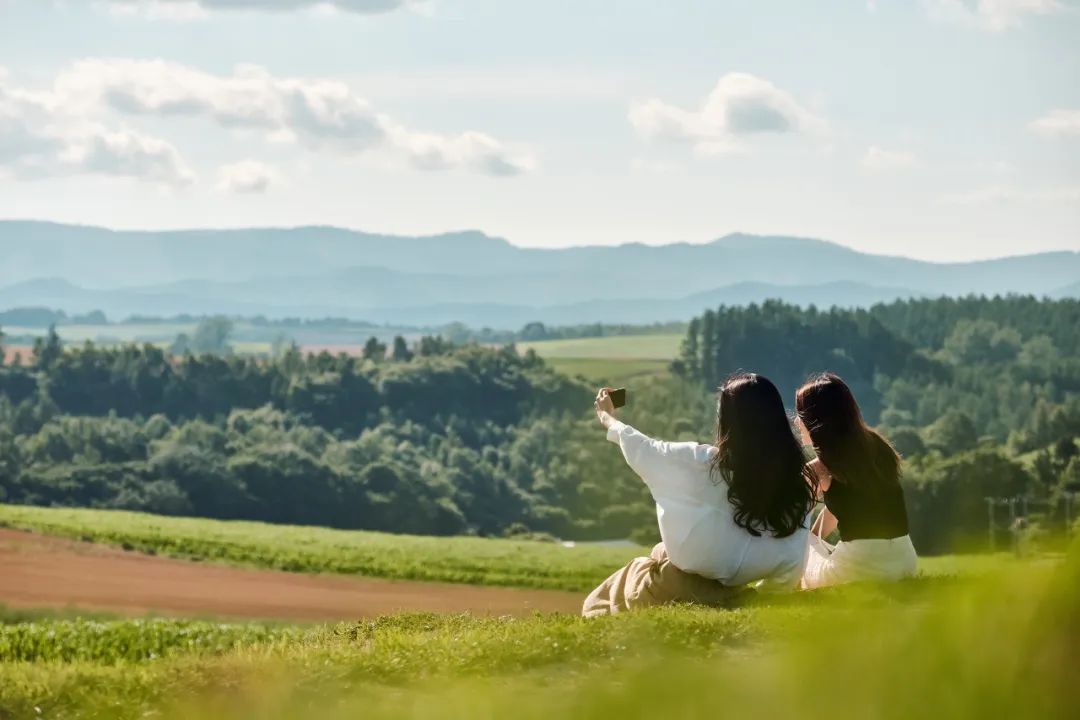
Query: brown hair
pixel 851 450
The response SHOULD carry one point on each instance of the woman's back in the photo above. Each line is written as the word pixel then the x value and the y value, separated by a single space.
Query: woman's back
pixel 697 520
pixel 868 509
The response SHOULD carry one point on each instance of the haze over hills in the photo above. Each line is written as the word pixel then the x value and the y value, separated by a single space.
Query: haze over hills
pixel 468 276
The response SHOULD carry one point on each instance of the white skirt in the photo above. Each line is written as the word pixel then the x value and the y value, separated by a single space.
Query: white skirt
pixel 876 560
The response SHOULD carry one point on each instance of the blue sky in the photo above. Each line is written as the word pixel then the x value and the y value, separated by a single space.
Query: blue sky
pixel 938 129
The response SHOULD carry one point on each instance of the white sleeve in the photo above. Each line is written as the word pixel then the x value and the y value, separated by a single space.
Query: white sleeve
pixel 672 469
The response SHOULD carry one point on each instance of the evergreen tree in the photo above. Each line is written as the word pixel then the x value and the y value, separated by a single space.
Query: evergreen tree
pixel 401 352
pixel 374 350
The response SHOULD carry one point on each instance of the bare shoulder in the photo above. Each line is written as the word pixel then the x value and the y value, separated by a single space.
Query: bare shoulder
pixel 821 473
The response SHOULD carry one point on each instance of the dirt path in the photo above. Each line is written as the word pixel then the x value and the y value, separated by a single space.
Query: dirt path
pixel 43 571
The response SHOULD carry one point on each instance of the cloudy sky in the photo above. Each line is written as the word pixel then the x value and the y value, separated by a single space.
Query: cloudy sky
pixel 940 129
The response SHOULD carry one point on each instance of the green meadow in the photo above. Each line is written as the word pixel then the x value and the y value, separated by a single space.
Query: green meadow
pixel 616 347
pixel 623 360
pixel 294 548
pixel 477 561
pixel 998 643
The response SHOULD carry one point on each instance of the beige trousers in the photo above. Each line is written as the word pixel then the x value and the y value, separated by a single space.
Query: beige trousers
pixel 653 580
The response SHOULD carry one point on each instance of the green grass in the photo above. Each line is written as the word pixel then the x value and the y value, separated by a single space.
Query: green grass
pixel 1003 644
pixel 322 550
pixel 615 373
pixel 478 561
pixel 117 641
pixel 619 347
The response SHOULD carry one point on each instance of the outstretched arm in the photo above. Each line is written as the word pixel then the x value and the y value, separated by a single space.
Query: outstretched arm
pixel 662 465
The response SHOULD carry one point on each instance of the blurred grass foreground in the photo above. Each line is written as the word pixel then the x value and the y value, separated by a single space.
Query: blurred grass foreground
pixel 1000 644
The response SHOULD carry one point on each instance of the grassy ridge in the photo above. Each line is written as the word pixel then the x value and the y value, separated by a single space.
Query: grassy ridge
pixel 476 561
pixel 1001 645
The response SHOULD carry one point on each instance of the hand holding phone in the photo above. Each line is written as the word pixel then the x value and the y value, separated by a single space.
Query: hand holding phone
pixel 618 397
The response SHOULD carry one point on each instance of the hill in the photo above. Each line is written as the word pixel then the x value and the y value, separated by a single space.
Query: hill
pixel 469 276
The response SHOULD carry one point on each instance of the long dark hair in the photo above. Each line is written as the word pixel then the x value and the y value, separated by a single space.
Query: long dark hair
pixel 760 459
pixel 852 451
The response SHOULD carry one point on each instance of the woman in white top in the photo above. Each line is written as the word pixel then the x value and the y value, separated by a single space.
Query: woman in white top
pixel 730 514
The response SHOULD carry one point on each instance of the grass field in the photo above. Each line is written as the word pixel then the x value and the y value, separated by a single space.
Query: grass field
pixel 313 549
pixel 615 373
pixel 619 347
pixel 477 561
pixel 1003 644
pixel 618 360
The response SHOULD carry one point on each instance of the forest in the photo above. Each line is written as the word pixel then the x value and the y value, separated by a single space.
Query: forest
pixel 980 395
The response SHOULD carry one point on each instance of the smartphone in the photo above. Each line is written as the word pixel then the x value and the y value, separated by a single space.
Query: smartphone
pixel 618 397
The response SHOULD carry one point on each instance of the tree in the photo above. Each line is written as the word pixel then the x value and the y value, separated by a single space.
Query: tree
pixel 48 350
pixel 982 341
pixel 907 442
pixel 211 336
pixel 401 352
pixel 374 350
pixel 431 345
pixel 952 433
pixel 1070 476
pixel 281 344
pixel 1065 450
pixel 181 345
pixel 533 331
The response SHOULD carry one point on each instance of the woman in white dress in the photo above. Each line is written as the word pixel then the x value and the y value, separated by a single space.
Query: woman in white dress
pixel 731 513
pixel 858 475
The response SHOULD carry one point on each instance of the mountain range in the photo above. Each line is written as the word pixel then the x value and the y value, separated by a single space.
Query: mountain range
pixel 469 276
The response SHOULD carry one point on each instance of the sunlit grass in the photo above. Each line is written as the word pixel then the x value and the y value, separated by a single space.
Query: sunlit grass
pixel 1001 644
pixel 294 548
pixel 615 373
pixel 616 347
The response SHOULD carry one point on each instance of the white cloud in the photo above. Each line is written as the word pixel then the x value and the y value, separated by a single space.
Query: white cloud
pixel 127 154
pixel 474 150
pixel 37 139
pixel 990 15
pixel 740 106
pixel 318 113
pixel 879 159
pixel 1009 195
pixel 1057 124
pixel 246 176
pixel 190 9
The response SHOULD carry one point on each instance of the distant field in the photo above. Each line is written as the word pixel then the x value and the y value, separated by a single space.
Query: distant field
pixel 603 371
pixel 621 347
pixel 476 561
pixel 618 360
pixel 246 338
pixel 23 351
pixel 141 332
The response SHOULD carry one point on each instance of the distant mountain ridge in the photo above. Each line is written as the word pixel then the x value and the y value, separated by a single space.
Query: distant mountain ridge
pixel 469 276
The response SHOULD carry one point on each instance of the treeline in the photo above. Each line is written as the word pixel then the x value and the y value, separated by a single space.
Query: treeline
pixel 982 396
pixel 446 440
pixel 41 317
pixel 457 333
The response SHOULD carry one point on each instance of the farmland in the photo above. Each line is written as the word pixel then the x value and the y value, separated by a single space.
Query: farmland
pixel 617 360
pixel 619 347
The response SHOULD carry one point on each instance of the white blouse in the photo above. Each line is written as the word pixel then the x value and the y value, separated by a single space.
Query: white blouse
pixel 697 522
